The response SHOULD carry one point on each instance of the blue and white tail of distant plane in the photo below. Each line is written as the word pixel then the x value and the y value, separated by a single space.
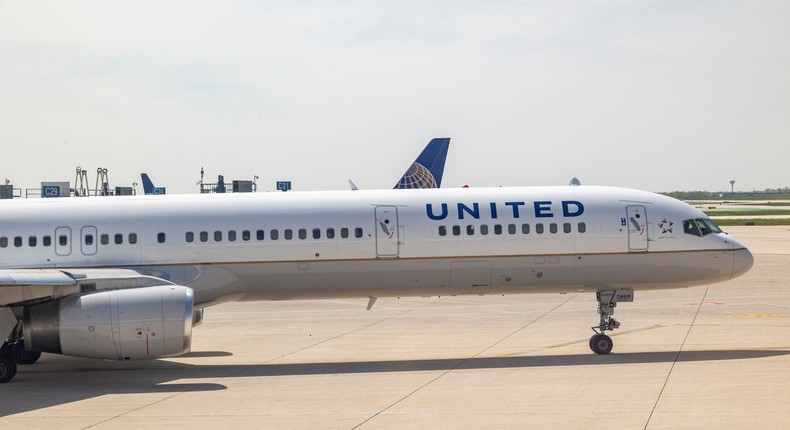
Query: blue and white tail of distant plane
pixel 148 185
pixel 427 170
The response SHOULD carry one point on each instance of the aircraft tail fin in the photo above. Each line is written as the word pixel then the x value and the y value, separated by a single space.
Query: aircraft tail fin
pixel 427 170
pixel 148 185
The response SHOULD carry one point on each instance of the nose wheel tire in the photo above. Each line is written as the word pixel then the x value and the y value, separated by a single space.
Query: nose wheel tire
pixel 601 343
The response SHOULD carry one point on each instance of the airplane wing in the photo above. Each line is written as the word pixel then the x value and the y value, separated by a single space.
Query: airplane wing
pixel 19 286
pixel 50 277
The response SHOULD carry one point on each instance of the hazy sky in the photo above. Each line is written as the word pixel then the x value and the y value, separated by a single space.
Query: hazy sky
pixel 655 95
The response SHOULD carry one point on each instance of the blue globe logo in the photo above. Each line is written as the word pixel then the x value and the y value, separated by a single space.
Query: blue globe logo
pixel 417 177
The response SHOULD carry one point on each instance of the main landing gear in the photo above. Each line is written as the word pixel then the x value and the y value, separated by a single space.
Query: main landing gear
pixel 23 356
pixel 7 364
pixel 600 343
pixel 13 352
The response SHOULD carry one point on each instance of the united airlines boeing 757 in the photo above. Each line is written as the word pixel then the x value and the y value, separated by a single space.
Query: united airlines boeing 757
pixel 127 277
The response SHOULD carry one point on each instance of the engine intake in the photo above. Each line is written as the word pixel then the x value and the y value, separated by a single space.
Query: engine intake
pixel 128 324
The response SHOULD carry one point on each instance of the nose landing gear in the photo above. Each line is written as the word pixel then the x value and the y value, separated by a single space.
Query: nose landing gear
pixel 600 343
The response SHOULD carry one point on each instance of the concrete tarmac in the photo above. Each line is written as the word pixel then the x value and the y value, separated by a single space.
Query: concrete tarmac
pixel 704 357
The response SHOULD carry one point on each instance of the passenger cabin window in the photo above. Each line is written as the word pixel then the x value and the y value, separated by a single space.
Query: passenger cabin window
pixel 302 234
pixel 442 231
pixel 132 238
pixel 160 238
pixel 204 236
pixel 525 228
pixel 31 241
pixel 456 230
pixel 582 227
pixel 511 229
pixel 89 239
pixel 105 239
pixel 344 232
pixel 497 229
pixel 274 234
pixel 3 242
pixel 288 234
pixel 330 233
pixel 18 241
pixel 232 235
pixel 46 241
pixel 553 228
pixel 118 239
pixel 484 229
pixel 190 237
pixel 358 232
pixel 260 236
pixel 63 240
pixel 539 228
pixel 217 236
pixel 245 235
pixel 470 230
pixel 316 233
pixel 566 227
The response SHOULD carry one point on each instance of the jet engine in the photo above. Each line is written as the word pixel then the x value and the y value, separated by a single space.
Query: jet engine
pixel 126 324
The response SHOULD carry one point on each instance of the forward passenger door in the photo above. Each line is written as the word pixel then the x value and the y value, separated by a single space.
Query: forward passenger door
pixel 387 232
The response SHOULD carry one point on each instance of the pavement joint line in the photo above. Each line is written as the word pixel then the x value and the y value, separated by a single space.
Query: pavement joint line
pixel 441 375
pixel 348 332
pixel 675 361
pixel 252 366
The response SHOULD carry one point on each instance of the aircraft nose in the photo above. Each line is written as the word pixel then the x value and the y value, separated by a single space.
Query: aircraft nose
pixel 742 261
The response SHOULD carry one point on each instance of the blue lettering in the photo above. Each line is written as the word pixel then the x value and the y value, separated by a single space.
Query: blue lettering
pixel 515 206
pixel 543 209
pixel 474 210
pixel 566 208
pixel 443 215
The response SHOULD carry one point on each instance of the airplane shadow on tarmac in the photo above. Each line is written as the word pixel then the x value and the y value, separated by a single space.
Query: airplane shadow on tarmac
pixel 57 380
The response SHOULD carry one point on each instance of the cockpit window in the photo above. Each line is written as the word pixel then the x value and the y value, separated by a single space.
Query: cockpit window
pixel 703 227
pixel 712 225
pixel 690 227
pixel 700 227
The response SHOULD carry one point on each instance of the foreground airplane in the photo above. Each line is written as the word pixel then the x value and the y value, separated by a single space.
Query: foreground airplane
pixel 126 278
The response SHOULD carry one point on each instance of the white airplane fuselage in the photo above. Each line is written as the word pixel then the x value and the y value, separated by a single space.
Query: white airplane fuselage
pixel 389 243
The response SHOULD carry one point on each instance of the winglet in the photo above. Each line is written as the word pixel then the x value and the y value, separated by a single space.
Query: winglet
pixel 427 170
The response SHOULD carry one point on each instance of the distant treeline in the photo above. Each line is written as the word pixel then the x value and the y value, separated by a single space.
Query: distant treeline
pixel 769 194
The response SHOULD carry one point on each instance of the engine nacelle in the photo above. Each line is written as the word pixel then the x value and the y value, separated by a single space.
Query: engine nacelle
pixel 128 324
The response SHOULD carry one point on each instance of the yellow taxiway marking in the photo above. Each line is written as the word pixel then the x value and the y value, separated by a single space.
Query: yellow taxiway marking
pixel 760 316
